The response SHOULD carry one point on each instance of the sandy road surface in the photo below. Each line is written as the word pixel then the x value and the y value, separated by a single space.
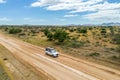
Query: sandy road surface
pixel 62 68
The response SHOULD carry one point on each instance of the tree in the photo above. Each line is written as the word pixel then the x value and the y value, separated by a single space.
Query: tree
pixel 103 31
pixel 116 39
pixel 46 32
pixel 14 30
pixel 112 31
pixel 50 36
pixel 60 35
pixel 79 30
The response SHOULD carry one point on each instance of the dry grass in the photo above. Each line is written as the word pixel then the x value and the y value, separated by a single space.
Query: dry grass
pixel 3 69
pixel 15 69
pixel 95 42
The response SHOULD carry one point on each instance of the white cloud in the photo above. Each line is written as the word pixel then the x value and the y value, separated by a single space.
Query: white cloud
pixel 5 19
pixel 104 16
pixel 76 5
pixel 70 15
pixel 97 7
pixel 2 1
pixel 64 4
pixel 44 3
pixel 101 9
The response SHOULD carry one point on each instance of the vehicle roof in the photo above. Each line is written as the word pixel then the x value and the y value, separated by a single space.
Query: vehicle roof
pixel 49 48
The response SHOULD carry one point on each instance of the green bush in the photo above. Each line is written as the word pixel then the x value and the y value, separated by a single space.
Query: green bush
pixel 115 57
pixel 60 35
pixel 46 32
pixel 79 30
pixel 50 36
pixel 103 32
pixel 14 30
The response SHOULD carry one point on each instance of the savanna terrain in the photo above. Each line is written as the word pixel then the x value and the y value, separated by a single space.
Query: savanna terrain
pixel 96 44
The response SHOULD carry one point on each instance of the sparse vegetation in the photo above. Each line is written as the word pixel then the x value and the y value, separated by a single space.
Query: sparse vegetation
pixel 95 54
pixel 77 44
pixel 16 70
pixel 102 42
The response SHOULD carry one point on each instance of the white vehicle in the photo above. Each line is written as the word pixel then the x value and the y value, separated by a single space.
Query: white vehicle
pixel 51 51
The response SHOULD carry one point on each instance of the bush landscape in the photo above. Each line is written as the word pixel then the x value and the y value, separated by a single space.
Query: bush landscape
pixel 94 43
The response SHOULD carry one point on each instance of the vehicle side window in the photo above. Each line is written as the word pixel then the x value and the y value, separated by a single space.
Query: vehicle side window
pixel 49 50
pixel 46 49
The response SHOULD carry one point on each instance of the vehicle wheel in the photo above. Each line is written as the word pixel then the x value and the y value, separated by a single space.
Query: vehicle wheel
pixel 46 53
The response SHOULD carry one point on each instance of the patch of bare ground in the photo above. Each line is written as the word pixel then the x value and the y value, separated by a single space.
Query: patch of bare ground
pixel 103 57
pixel 15 69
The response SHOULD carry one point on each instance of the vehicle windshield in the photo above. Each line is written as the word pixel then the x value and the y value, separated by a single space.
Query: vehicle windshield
pixel 53 51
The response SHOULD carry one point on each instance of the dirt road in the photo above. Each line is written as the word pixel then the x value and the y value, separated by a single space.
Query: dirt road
pixel 62 68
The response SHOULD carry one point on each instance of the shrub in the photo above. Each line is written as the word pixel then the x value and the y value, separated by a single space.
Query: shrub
pixel 14 30
pixel 90 28
pixel 72 30
pixel 77 44
pixel 46 32
pixel 34 34
pixel 95 54
pixel 6 29
pixel 112 30
pixel 118 48
pixel 33 31
pixel 116 39
pixel 114 57
pixel 5 59
pixel 103 32
pixel 60 35
pixel 97 44
pixel 50 36
pixel 81 30
pixel 22 34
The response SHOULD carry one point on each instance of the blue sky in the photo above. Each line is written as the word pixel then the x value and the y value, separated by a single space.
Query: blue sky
pixel 59 12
